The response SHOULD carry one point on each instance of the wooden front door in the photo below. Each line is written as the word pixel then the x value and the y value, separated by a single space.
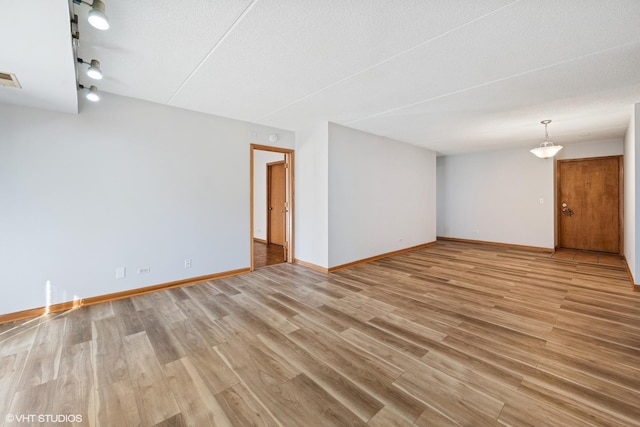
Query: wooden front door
pixel 589 208
pixel 276 203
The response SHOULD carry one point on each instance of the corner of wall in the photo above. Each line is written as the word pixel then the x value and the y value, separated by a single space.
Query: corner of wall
pixel 631 188
pixel 312 195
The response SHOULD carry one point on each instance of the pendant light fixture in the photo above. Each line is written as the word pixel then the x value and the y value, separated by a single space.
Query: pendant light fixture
pixel 547 149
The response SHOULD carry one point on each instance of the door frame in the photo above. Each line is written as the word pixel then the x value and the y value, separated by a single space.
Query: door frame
pixel 558 202
pixel 269 190
pixel 289 167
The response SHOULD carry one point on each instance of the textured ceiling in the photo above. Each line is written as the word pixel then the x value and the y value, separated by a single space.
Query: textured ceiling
pixel 450 75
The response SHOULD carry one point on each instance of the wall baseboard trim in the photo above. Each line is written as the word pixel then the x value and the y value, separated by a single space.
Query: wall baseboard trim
pixel 34 312
pixel 255 239
pixel 502 245
pixel 377 257
pixel 634 285
pixel 311 266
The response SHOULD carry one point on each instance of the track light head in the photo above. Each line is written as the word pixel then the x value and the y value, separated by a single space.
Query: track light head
pixel 97 16
pixel 92 94
pixel 94 70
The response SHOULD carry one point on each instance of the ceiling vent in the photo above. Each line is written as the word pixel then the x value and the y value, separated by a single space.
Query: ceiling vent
pixel 8 79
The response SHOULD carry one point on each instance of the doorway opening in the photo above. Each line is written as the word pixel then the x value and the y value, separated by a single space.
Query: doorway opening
pixel 589 209
pixel 271 205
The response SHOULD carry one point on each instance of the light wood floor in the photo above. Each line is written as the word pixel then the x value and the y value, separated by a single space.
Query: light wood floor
pixel 454 334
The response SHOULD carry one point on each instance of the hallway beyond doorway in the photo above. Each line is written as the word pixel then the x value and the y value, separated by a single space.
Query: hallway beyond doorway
pixel 264 254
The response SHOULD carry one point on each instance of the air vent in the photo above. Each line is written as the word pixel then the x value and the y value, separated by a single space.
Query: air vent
pixel 8 79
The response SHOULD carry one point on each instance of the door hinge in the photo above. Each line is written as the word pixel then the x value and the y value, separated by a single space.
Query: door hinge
pixel 286 165
pixel 286 205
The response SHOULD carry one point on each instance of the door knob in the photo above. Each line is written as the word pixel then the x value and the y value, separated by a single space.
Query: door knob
pixel 567 211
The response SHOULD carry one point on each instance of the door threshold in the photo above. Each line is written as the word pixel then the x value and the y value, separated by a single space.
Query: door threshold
pixel 592 257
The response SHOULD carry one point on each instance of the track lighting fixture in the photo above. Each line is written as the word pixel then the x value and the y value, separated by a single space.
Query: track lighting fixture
pixel 97 16
pixel 94 70
pixel 98 19
pixel 92 94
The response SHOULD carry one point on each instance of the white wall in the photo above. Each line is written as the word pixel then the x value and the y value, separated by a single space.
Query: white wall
pixel 381 195
pixel 311 192
pixel 583 150
pixel 260 160
pixel 495 196
pixel 125 183
pixel 631 199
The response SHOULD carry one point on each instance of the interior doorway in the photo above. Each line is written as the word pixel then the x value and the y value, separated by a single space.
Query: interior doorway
pixel 271 205
pixel 589 204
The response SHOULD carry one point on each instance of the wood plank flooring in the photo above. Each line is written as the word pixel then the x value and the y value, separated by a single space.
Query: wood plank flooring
pixel 267 254
pixel 453 334
pixel 589 256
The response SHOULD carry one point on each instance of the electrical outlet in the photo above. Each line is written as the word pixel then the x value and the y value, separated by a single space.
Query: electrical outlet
pixel 144 270
pixel 187 263
pixel 121 273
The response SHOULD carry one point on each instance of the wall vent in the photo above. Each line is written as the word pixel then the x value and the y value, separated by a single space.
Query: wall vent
pixel 9 79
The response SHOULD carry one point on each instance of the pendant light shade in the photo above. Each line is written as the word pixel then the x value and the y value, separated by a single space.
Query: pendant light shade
pixel 547 149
